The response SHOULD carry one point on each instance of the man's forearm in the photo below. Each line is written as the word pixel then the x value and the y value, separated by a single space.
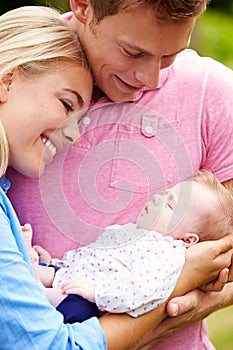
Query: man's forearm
pixel 123 331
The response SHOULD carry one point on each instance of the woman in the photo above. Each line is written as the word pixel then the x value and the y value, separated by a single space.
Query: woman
pixel 44 86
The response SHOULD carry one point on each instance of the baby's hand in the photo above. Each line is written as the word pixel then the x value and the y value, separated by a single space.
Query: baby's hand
pixel 43 254
pixel 27 233
pixel 82 287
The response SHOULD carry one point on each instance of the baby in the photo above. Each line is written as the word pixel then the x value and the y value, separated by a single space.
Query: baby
pixel 134 268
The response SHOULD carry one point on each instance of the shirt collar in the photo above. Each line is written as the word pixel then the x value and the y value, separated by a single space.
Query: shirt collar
pixel 5 184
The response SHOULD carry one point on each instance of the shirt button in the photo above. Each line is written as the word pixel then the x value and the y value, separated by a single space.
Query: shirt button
pixel 86 121
pixel 149 129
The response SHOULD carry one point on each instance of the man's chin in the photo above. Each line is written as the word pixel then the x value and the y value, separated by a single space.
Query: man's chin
pixel 123 97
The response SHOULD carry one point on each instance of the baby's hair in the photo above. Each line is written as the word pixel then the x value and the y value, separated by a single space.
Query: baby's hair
pixel 220 222
pixel 34 40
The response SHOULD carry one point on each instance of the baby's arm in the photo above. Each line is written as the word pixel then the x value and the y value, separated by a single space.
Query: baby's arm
pixel 44 274
pixel 27 233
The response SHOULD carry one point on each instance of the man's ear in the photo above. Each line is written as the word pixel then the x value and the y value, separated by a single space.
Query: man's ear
pixel 190 238
pixel 80 9
pixel 5 83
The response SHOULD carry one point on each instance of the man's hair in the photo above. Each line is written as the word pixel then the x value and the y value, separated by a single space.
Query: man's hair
pixel 220 221
pixel 164 10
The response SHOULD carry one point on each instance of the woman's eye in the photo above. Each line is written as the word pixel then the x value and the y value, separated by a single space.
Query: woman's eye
pixel 67 106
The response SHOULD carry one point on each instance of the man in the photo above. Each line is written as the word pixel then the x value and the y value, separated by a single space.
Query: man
pixel 180 121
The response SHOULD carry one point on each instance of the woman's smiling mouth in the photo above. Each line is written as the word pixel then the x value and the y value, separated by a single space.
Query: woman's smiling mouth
pixel 50 146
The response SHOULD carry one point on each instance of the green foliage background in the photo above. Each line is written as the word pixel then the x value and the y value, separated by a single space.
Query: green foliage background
pixel 213 36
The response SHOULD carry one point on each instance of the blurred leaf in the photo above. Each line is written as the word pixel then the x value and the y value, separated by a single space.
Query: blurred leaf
pixel 62 5
pixel 213 36
pixel 220 326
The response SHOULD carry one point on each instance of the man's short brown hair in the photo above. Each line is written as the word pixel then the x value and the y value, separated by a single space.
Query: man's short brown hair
pixel 164 10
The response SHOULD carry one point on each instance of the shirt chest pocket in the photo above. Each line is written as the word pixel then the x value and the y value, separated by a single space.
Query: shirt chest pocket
pixel 146 157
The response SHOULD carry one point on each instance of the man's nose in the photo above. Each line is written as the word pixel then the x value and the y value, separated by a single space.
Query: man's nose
pixel 148 74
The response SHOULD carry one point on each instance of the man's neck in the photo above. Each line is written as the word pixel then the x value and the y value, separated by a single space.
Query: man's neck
pixel 97 93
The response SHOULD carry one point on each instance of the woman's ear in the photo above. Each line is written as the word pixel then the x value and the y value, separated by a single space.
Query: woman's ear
pixel 190 239
pixel 5 83
pixel 80 9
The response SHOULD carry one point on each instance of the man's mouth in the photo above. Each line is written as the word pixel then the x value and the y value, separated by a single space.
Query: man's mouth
pixel 126 87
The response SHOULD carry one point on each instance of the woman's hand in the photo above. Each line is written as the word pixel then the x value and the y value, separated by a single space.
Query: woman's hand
pixel 207 265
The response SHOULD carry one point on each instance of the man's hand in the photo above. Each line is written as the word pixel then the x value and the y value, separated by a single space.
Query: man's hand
pixel 183 305
pixel 219 283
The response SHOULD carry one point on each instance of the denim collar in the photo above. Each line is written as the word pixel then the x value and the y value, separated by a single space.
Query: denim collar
pixel 5 184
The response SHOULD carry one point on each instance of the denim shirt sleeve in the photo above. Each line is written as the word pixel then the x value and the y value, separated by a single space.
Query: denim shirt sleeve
pixel 28 321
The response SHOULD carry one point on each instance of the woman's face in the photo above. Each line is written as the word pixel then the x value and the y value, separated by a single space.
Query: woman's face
pixel 41 114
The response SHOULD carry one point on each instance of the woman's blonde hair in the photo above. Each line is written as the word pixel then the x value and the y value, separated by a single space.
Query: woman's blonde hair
pixel 32 39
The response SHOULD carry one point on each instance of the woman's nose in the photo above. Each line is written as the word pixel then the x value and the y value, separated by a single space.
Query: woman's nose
pixel 71 130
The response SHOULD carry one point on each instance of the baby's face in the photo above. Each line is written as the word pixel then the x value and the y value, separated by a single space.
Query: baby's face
pixel 178 210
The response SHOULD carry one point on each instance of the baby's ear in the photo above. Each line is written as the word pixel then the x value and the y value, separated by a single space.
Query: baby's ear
pixel 190 238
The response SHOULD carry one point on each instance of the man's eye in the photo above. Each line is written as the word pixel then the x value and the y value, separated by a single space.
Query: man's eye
pixel 67 106
pixel 132 55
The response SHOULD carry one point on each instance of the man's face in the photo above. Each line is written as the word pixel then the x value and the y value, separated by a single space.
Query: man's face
pixel 126 51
